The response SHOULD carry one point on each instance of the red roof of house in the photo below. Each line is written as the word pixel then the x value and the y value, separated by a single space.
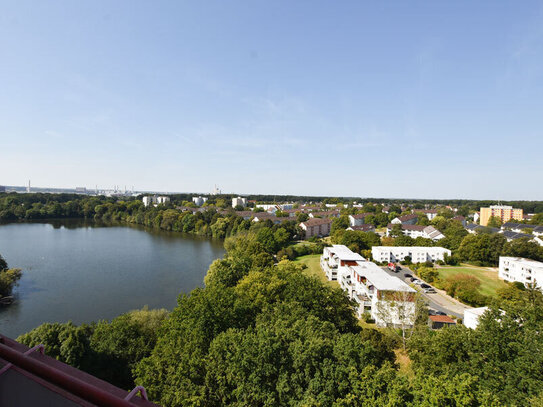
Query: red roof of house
pixel 443 319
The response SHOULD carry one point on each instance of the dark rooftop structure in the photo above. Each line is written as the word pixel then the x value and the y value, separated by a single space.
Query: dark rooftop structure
pixel 30 378
pixel 440 321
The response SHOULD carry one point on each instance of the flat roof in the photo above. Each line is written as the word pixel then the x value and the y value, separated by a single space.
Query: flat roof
pixel 476 311
pixel 380 278
pixel 530 262
pixel 344 253
pixel 409 247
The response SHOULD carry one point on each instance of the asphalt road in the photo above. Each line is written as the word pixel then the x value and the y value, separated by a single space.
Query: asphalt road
pixel 438 301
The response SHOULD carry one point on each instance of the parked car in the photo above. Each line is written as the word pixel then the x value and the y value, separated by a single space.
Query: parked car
pixel 440 313
pixel 424 285
pixel 413 279
pixel 429 290
pixel 393 267
pixel 418 282
pixel 407 275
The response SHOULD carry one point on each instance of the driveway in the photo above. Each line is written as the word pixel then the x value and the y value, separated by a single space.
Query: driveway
pixel 438 301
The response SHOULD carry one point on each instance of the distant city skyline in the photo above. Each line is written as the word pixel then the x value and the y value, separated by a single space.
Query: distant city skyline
pixel 430 100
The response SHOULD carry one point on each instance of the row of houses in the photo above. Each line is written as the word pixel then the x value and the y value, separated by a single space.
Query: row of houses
pixel 511 231
pixel 387 299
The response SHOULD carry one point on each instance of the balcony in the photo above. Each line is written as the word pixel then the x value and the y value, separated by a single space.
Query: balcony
pixel 363 300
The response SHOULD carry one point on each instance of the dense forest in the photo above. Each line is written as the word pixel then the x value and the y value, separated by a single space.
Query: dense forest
pixel 265 334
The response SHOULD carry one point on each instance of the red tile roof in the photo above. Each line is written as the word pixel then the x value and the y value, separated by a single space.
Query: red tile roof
pixel 442 318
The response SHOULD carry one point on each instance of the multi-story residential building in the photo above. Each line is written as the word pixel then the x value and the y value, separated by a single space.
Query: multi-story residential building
pixel 358 219
pixel 503 212
pixel 418 254
pixel 316 227
pixel 414 231
pixel 522 270
pixel 239 201
pixel 199 200
pixel 162 199
pixel 335 260
pixel 149 200
pixel 406 219
pixel 388 300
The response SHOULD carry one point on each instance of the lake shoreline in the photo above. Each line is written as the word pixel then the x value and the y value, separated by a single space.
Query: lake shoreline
pixel 86 270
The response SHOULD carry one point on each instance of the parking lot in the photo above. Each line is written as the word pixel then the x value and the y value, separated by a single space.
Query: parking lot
pixel 437 301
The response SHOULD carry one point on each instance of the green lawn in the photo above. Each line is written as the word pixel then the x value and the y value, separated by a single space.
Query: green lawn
pixel 312 261
pixel 489 279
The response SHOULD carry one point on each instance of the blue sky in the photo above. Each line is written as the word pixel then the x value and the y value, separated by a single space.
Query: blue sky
pixel 435 99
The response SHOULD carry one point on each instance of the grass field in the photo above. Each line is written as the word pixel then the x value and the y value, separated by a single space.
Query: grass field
pixel 312 261
pixel 489 279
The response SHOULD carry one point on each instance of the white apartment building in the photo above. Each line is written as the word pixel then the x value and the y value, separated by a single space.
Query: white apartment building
pixel 522 270
pixel 162 199
pixel 336 258
pixel 199 200
pixel 388 300
pixel 148 200
pixel 472 316
pixel 414 231
pixel 418 254
pixel 239 201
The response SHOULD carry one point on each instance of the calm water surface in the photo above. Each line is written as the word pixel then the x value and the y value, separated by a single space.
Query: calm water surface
pixel 81 271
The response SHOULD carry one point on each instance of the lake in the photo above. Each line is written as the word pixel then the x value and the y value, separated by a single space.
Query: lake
pixel 83 271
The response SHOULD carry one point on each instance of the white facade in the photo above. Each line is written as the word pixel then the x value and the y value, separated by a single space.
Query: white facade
pixel 418 254
pixel 388 300
pixel 522 270
pixel 414 231
pixel 358 220
pixel 336 258
pixel 199 200
pixel 239 201
pixel 149 200
pixel 163 199
pixel 471 317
